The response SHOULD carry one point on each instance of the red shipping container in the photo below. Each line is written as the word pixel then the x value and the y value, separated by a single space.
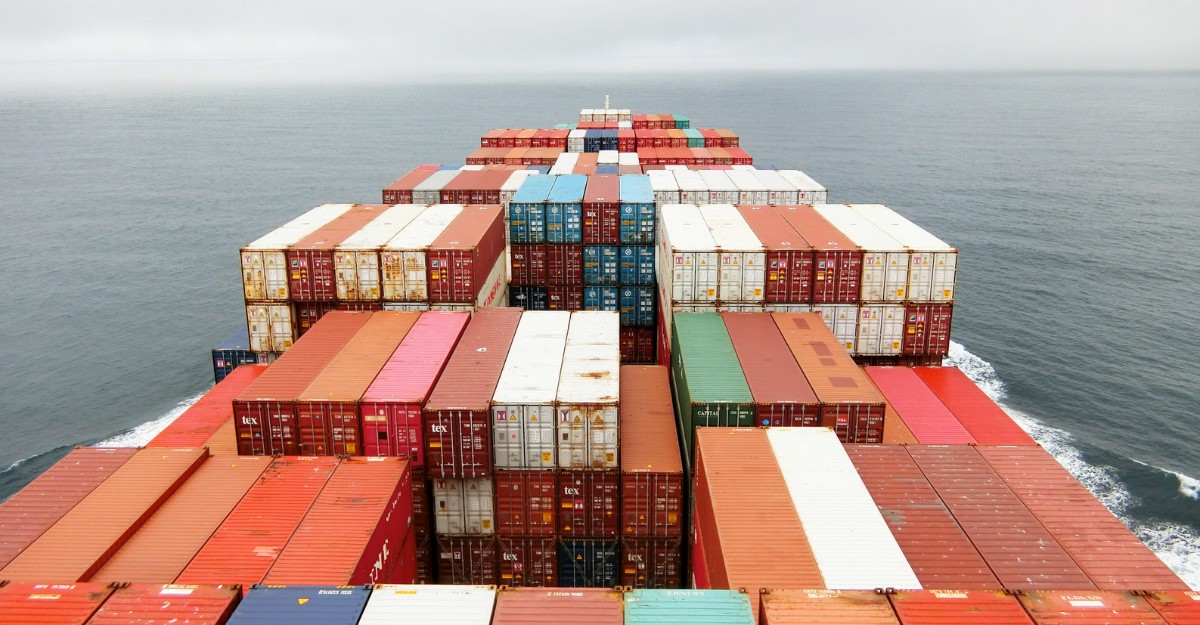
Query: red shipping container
pixel 309 313
pixel 588 159
pixel 525 503
pixel 782 395
pixel 588 504
pixel 602 210
pixel 652 562
pixel 400 191
pixel 525 138
pixel 702 157
pixel 541 138
pixel 1111 556
pixel 38 506
pixel 712 139
pixel 637 345
pixel 360 306
pixel 460 259
pixel 246 544
pixel 202 419
pixel 422 511
pixel 647 155
pixel 310 260
pixel 728 139
pixel 565 297
pixel 51 604
pixel 939 607
pixel 490 139
pixel 651 468
pixel 424 565
pixel 638 122
pixel 837 261
pixel 564 265
pixel 355 530
pixel 721 157
pixel 508 138
pixel 918 407
pixel 529 561
pixel 629 169
pixel 167 604
pixel 827 607
pixel 1064 607
pixel 84 538
pixel 1176 608
pixel 467 560
pixel 789 258
pixel 487 189
pixel 626 140
pixel 458 434
pixel 927 329
pixel 1019 550
pixel 478 156
pixel 739 156
pixel 458 190
pixel 391 406
pixel 515 156
pixel 987 422
pixel 558 138
pixel 577 606
pixel 697 561
pixel 327 411
pixel 527 265
pixel 936 547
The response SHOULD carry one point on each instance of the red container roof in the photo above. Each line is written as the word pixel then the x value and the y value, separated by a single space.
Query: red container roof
pixel 50 604
pixel 468 229
pixel 958 607
pixel 168 604
pixel 412 178
pixel 578 606
pixel 815 229
pixel 767 361
pixel 298 366
pixel 351 371
pixel 470 378
pixel 1176 608
pixel 649 443
pixel 772 229
pixel 986 421
pixel 333 233
pixel 920 409
pixel 829 370
pixel 603 189
pixel 1065 607
pixel 202 419
pixel 409 375
pixel 825 607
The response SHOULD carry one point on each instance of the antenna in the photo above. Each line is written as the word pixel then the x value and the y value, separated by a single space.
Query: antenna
pixel 605 102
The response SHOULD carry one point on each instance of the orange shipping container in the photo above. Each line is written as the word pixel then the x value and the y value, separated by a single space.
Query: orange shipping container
pixel 1064 607
pixel 651 469
pixel 826 607
pixel 942 607
pixel 203 418
pixel 166 604
pixel 223 442
pixel 50 604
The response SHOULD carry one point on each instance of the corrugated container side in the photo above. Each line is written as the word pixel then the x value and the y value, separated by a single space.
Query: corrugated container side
pixel 309 313
pixel 639 343
pixel 588 503
pixel 587 563
pixel 837 261
pixel 584 606
pixel 936 607
pixel 270 327
pixel 920 409
pixel 782 395
pixel 428 191
pixel 885 260
pixel 160 604
pixel 203 418
pixel 933 264
pixel 527 210
pixel 602 210
pixel 710 388
pixel 601 265
pixel 638 218
pixel 1176 608
pixel 467 560
pixel 460 259
pixel 741 255
pixel 652 562
pixel 927 329
pixel 564 265
pixel 464 506
pixel 525 503
pixel 528 561
pixel 310 260
pixel 460 605
pixel 265 274
pixel 687 263
pixel 234 352
pixel 523 411
pixel 527 265
pixel 458 191
pixel 828 607
pixel 978 413
pixel 651 469
pixel 301 605
pixel 789 258
pixel 356 260
pixel 51 604
pixel 1062 607
pixel 564 209
pixel 403 260
pixel 588 389
pixel 400 191
pixel 658 607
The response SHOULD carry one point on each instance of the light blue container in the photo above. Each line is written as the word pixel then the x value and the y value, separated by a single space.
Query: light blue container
pixel 600 298
pixel 637 265
pixel 682 122
pixel 694 607
pixel 564 209
pixel 607 169
pixel 637 305
pixel 600 265
pixel 527 211
pixel 637 210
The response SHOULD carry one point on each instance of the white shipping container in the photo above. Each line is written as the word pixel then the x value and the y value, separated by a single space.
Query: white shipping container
pixel 471 168
pixel 419 306
pixel 523 404
pixel 585 115
pixel 852 544
pixel 588 388
pixel 885 260
pixel 270 326
pixel 933 263
pixel 610 115
pixel 575 140
pixel 779 190
pixel 429 190
pixel 628 159
pixel 565 163
pixel 464 506
pixel 607 157
pixel 511 186
pixel 721 189
pixel 429 605
pixel 880 330
pixel 810 191
pixel 741 307
pixel 687 265
pixel 750 189
pixel 692 189
pixel 356 260
pixel 665 187
pixel 624 125
pixel 264 262
pixel 676 168
pixel 743 168
pixel 402 259
pixel 742 257
pixel 842 320
pixel 624 115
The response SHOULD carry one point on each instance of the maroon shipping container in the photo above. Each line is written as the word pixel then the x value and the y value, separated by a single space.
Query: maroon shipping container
pixel 467 560
pixel 651 468
pixel 588 504
pixel 208 414
pixel 564 265
pixel 565 297
pixel 310 260
pixel 527 265
pixel 458 190
pixel 576 606
pixel 652 562
pixel 936 547
pixel 265 413
pixel 1018 549
pixel 400 191
pixel 927 329
pixel 1111 556
pixel 168 604
pixel 309 313
pixel 487 189
pixel 837 261
pixel 946 607
pixel 458 434
pixel 637 345
pixel 712 139
pixel 528 561
pixel 1065 607
pixel 782 395
pixel 602 209
pixel 1176 608
pixel 490 139
pixel 422 510
pixel 626 140
pixel 525 503
pixel 789 259
pixel 918 407
pixel 50 604
pixel 425 571
pixel 987 422
pixel 460 260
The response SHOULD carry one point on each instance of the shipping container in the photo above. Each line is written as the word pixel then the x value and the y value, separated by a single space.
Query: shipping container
pixel 652 562
pixel 600 265
pixel 461 258
pixel 209 413
pixel 429 190
pixel 636 305
pixel 459 190
pixel 638 344
pixel 978 413
pixel 779 190
pixel 234 352
pixel 464 506
pixel 1176 608
pixel 885 261
pixel 575 140
pixel 602 210
pixel 721 189
pixel 528 561
pixel 782 395
pixel 265 272
pixel 244 547
pixel 564 209
pixel 603 298
pixel 356 261
pixel 665 607
pixel 637 210
pixel 391 406
pixel 842 321
pixel 636 265
pixel 664 186
pixel 404 258
pixel 837 261
pixel 529 297
pixel 525 503
pixel 223 442
pixel 163 546
pixel 1063 607
pixel 527 265
pixel 564 265
pixel 301 605
pixel 564 163
pixel 41 503
pixel 827 607
pixel 310 260
pixel 50 604
pixel 588 503
pixel 652 480
pixel 527 210
pixel 933 263
pixel 933 542
pixel 687 260
pixel 710 389
pixel 432 605
pixel 587 563
pixel 511 186
pixel 927 329
pixel 788 260
pixel 523 414
pixel 920 409
pixel 467 560
pixel 401 191
pixel 580 607
pixel 166 604
pixel 588 389
pixel 270 326
pixel 879 329
pixel 849 402
pixel 935 607
pixel 810 191
pixel 307 314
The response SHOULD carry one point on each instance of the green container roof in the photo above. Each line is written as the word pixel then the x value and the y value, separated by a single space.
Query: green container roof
pixel 695 607
pixel 710 365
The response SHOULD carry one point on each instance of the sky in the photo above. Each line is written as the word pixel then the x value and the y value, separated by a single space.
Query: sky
pixel 386 40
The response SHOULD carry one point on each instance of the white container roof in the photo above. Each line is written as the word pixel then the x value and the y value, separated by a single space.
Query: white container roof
pixel 863 233
pixel 530 374
pixel 383 228
pixel 592 360
pixel 717 180
pixel 746 180
pixel 421 232
pixel 437 180
pixel 429 605
pixel 729 229
pixel 290 233
pixel 690 180
pixel 773 181
pixel 801 180
pixel 684 228
pixel 900 228
pixel 662 180
pixel 514 181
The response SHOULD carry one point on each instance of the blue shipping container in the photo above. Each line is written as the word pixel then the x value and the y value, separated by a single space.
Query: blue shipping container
pixel 591 140
pixel 608 139
pixel 233 352
pixel 637 306
pixel 564 209
pixel 600 298
pixel 301 605
pixel 607 169
pixel 587 563
pixel 637 265
pixel 600 264
pixel 696 607
pixel 637 210
pixel 527 211
pixel 529 297
pixel 681 121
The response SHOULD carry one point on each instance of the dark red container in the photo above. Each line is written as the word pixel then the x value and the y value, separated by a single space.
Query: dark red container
pixel 458 190
pixel 310 260
pixel 1065 607
pixel 487 189
pixel 927 329
pixel 837 261
pixel 50 604
pixel 782 395
pixel 652 562
pixel 712 139
pixel 528 561
pixel 651 468
pixel 626 140
pixel 467 560
pixel 527 265
pixel 458 434
pixel 946 607
pixel 739 156
pixel 565 297
pixel 564 265
pixel 987 422
pixel 789 258
pixel 459 261
pixel 309 313
pixel 490 139
pixel 637 344
pixel 202 419
pixel 918 407
pixel 422 510
pixel 167 604
pixel 588 504
pixel 400 191
pixel 508 138
pixel 602 209
pixel 425 571
pixel 525 503
pixel 360 306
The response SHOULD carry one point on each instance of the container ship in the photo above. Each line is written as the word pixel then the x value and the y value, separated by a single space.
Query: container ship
pixel 610 371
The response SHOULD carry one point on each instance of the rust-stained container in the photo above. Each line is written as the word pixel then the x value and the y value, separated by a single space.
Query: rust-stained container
pixel 168 604
pixel 458 434
pixel 588 503
pixel 1066 607
pixel 837 261
pixel 782 395
pixel 327 410
pixel 169 539
pixel 602 210
pixel 651 468
pixel 936 547
pixel 986 421
pixel 945 607
pixel 525 502
pixel 247 542
pixel 1176 608
pixel 265 413
pixel 1019 550
pixel 38 506
pixel 400 191
pixel 527 264
pixel 918 407
pixel 825 607
pixel 461 258
pixel 467 560
pixel 50 604
pixel 310 260
pixel 202 419
pixel 1112 557
pixel 578 606
pixel 652 562
pixel 789 258
pixel 528 561
pixel 564 264
pixel 355 530
pixel 83 539
pixel 391 405
pixel 849 402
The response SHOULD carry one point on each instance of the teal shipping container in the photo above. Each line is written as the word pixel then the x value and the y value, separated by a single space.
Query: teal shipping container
pixel 694 607
pixel 710 389
pixel 564 209
pixel 682 122
pixel 695 139
pixel 527 211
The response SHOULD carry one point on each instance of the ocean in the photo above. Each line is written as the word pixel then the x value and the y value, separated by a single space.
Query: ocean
pixel 1072 197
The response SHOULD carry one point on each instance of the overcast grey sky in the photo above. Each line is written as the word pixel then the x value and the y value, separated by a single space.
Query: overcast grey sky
pixel 71 40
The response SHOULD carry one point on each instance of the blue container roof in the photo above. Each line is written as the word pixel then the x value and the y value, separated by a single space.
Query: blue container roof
pixel 699 607
pixel 692 133
pixel 448 167
pixel 635 189
pixel 592 133
pixel 238 340
pixel 568 189
pixel 608 133
pixel 301 605
pixel 607 169
pixel 534 190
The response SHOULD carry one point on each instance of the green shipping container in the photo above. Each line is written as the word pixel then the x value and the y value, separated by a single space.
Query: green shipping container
pixel 710 389
pixel 695 139
pixel 695 607
pixel 682 123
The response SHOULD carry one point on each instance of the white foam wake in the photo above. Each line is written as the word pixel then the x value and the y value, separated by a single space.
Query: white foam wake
pixel 1176 545
pixel 142 434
